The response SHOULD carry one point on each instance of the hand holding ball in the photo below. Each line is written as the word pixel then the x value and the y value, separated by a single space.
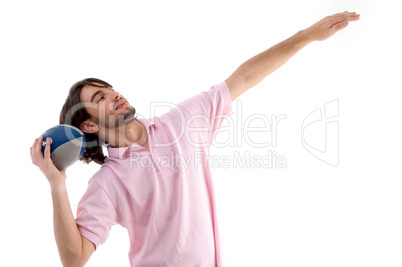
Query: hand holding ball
pixel 67 145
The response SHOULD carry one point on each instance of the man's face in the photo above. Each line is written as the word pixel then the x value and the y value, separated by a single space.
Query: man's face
pixel 107 107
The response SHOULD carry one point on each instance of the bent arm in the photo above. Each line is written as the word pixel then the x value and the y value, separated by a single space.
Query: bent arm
pixel 254 70
pixel 74 249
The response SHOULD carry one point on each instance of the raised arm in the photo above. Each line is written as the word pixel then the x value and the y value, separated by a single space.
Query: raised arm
pixel 254 70
pixel 74 249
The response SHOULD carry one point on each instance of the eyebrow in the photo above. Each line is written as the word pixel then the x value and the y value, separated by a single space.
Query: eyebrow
pixel 97 92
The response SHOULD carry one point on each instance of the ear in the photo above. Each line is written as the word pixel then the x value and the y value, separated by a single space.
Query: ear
pixel 89 126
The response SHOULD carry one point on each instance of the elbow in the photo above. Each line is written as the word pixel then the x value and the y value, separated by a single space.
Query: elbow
pixel 72 264
pixel 247 76
pixel 238 83
pixel 72 260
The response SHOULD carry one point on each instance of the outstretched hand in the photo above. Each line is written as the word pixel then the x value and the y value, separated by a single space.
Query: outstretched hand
pixel 328 26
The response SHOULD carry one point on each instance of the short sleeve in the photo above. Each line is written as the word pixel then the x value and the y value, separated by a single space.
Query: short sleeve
pixel 202 114
pixel 95 214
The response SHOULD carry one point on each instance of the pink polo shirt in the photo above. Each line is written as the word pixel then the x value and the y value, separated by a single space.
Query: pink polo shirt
pixel 164 196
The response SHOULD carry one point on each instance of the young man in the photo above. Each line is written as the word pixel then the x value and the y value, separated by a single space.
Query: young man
pixel 155 181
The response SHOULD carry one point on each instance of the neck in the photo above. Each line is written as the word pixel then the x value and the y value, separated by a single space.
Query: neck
pixel 126 135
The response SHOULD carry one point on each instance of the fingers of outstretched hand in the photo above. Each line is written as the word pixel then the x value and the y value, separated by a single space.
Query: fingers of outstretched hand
pixel 342 17
pixel 340 25
pixel 345 14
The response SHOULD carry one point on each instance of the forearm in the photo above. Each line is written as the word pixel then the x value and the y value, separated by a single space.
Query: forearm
pixel 68 237
pixel 254 70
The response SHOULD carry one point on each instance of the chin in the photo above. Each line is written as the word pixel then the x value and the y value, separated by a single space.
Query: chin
pixel 130 113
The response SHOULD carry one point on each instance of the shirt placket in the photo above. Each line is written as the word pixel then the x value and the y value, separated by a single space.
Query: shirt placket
pixel 154 159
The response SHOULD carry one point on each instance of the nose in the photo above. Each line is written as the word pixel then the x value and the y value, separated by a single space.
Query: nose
pixel 116 95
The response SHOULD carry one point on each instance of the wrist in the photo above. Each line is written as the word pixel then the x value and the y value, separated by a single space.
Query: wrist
pixel 305 36
pixel 57 188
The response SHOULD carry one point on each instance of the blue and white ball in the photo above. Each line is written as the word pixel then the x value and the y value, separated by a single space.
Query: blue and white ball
pixel 67 145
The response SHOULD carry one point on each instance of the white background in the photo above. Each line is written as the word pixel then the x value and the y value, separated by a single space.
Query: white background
pixel 307 214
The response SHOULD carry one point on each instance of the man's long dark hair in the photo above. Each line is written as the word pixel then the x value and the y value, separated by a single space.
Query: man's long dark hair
pixel 74 113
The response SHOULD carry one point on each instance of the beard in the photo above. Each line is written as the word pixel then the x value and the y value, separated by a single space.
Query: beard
pixel 116 121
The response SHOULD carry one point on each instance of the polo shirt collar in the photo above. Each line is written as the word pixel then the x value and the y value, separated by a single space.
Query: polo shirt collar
pixel 119 152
